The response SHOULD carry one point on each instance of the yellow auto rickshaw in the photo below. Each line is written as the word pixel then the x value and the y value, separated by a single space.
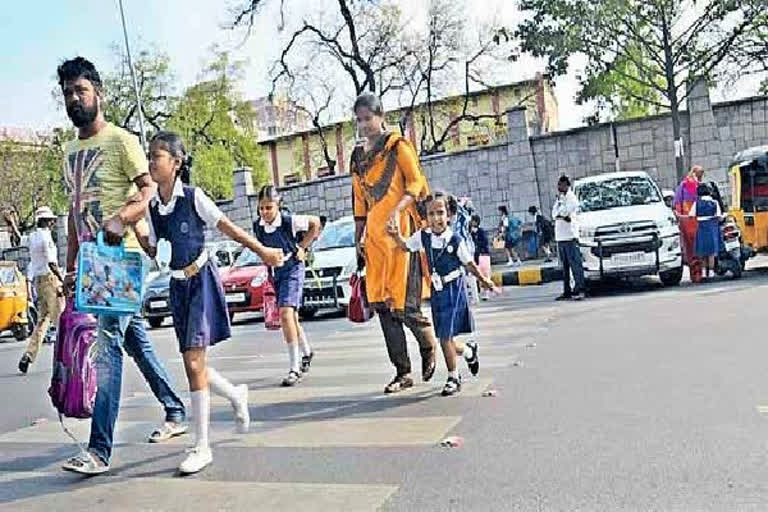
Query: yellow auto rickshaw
pixel 14 301
pixel 749 196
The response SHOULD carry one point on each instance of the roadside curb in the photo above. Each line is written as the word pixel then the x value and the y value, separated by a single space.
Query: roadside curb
pixel 527 276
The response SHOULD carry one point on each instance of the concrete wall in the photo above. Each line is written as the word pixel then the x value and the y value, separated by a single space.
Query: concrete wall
pixel 523 170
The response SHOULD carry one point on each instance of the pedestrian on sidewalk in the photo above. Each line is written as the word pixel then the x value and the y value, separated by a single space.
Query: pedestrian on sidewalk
pixel 106 172
pixel 44 271
pixel 280 230
pixel 482 251
pixel 180 214
pixel 686 196
pixel 509 231
pixel 387 184
pixel 707 212
pixel 447 257
pixel 544 232
pixel 565 207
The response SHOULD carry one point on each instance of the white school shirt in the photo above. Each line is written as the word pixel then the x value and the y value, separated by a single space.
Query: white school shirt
pixel 566 205
pixel 42 251
pixel 414 244
pixel 300 223
pixel 204 205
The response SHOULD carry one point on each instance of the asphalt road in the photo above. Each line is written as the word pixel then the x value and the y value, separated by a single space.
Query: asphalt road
pixel 641 398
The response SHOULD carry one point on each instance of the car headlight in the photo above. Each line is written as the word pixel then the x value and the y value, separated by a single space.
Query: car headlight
pixel 586 232
pixel 258 280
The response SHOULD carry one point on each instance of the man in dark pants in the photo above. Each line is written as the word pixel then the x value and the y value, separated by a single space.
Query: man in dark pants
pixel 566 206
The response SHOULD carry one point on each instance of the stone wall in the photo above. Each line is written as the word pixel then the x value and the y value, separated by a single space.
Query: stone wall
pixel 524 170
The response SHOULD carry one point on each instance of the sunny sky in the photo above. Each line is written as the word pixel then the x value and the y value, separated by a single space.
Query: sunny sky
pixel 33 40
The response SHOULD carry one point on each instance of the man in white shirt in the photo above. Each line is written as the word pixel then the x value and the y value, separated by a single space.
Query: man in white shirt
pixel 566 206
pixel 44 272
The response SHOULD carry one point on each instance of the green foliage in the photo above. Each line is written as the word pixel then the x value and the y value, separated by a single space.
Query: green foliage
pixel 219 128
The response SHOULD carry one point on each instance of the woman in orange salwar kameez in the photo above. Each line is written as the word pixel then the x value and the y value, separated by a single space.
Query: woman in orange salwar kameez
pixel 685 197
pixel 386 181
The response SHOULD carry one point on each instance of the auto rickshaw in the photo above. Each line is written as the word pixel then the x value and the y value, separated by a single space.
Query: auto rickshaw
pixel 749 196
pixel 14 301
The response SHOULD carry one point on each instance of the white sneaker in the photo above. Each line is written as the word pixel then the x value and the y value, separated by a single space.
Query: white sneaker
pixel 197 459
pixel 242 414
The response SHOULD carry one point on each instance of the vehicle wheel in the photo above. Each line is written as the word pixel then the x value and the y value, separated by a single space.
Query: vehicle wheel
pixel 671 277
pixel 21 332
pixel 307 313
pixel 156 322
pixel 737 271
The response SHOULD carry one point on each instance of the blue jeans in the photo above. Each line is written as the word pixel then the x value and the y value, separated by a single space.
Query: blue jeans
pixel 570 259
pixel 114 335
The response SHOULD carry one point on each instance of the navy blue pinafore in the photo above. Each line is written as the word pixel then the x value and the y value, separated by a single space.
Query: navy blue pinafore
pixel 708 230
pixel 450 306
pixel 198 305
pixel 288 280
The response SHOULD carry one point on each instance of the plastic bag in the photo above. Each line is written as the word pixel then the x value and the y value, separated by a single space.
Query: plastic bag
pixel 359 310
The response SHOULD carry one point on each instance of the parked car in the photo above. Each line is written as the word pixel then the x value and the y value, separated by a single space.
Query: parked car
pixel 224 253
pixel 157 306
pixel 243 284
pixel 625 229
pixel 332 261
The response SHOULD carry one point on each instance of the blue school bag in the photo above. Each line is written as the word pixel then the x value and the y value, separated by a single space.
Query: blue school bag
pixel 109 279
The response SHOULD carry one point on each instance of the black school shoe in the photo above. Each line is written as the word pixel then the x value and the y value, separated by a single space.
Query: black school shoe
pixel 24 363
pixel 306 361
pixel 399 383
pixel 473 363
pixel 292 379
pixel 452 386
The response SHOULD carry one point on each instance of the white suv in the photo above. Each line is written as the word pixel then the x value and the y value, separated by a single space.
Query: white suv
pixel 625 229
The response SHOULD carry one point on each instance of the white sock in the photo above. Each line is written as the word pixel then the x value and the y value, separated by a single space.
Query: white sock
pixel 304 345
pixel 201 409
pixel 222 386
pixel 454 374
pixel 469 352
pixel 293 355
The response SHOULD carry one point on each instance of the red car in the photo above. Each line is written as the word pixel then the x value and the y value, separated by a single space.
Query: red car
pixel 243 284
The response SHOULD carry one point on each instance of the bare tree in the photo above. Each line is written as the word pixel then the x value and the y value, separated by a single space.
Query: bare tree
pixel 667 42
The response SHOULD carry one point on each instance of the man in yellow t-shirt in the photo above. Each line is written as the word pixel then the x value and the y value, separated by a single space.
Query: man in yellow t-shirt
pixel 108 178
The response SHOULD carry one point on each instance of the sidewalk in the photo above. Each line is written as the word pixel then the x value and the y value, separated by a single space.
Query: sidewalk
pixel 531 272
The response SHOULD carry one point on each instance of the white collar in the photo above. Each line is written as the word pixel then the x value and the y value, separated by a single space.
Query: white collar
pixel 275 223
pixel 178 191
pixel 445 235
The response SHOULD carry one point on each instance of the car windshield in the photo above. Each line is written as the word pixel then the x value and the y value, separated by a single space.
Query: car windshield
pixel 616 193
pixel 7 276
pixel 248 258
pixel 336 235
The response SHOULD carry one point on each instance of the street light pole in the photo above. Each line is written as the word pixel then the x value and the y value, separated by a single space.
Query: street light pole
pixel 142 135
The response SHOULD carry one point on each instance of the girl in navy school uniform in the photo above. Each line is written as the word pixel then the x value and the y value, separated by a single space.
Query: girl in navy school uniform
pixel 292 234
pixel 180 213
pixel 447 256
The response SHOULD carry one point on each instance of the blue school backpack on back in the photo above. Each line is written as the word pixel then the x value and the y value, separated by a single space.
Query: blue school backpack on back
pixel 513 229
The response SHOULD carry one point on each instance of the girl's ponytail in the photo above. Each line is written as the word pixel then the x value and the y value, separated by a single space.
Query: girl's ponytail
pixel 185 170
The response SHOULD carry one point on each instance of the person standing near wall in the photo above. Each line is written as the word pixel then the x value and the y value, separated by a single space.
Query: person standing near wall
pixel 686 196
pixel 509 231
pixel 566 206
pixel 387 181
pixel 44 271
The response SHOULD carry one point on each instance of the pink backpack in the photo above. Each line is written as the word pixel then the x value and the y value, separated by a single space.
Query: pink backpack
pixel 73 383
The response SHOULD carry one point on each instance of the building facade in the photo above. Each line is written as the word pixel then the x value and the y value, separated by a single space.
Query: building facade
pixel 301 156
